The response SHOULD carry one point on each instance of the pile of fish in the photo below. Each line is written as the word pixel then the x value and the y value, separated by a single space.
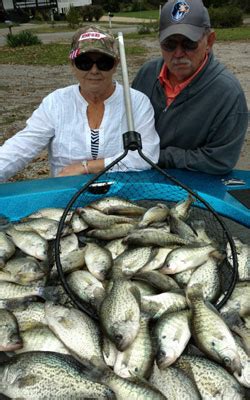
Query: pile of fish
pixel 148 279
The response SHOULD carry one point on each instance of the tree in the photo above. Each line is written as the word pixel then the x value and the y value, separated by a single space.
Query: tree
pixel 73 17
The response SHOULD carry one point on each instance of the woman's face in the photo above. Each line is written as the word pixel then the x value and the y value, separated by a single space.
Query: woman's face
pixel 95 80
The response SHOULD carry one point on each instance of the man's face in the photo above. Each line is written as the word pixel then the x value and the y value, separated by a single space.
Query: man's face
pixel 183 57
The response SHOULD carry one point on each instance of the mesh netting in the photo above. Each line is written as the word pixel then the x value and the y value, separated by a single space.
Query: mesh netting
pixel 155 186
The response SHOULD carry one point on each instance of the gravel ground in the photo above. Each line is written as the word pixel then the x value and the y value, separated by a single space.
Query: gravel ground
pixel 23 87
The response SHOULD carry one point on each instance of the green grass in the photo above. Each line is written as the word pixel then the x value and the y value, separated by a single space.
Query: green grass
pixel 46 54
pixel 233 34
pixel 152 14
pixel 230 34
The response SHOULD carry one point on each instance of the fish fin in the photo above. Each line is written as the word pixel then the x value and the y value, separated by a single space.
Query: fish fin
pixel 136 293
pixel 211 307
pixel 194 292
pixel 136 378
pixel 218 255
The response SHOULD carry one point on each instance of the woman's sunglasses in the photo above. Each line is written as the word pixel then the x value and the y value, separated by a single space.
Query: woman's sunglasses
pixel 103 63
pixel 187 45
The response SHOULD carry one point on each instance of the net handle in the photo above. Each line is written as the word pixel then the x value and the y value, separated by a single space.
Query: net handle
pixel 126 89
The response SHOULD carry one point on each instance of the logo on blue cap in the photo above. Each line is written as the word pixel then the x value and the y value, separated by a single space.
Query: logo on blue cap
pixel 180 9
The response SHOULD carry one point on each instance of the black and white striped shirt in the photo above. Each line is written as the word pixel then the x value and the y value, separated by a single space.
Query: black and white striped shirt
pixel 94 143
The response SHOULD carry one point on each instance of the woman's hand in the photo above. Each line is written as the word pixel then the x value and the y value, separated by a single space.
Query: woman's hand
pixel 94 166
pixel 73 169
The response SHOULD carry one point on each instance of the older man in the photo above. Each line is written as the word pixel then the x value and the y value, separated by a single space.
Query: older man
pixel 200 108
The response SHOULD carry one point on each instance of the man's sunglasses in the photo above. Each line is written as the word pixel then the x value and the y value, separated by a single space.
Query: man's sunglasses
pixel 171 45
pixel 103 63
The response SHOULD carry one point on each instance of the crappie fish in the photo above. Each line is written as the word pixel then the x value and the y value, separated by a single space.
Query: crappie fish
pixel 181 228
pixel 174 384
pixel 172 333
pixel 68 244
pixel 157 261
pixel 45 227
pixel 55 213
pixel 157 213
pixel 7 247
pixel 156 305
pixel 212 380
pixel 243 257
pixel 239 300
pixel 98 260
pixel 41 339
pixel 70 262
pixel 244 378
pixel 86 287
pixel 120 313
pixel 23 270
pixel 47 212
pixel 199 228
pixel 239 326
pixel 30 315
pixel 11 291
pixel 116 247
pixel 117 205
pixel 109 351
pixel 115 231
pixel 207 275
pixel 153 237
pixel 182 208
pixel 47 375
pixel 125 388
pixel 77 223
pixel 187 257
pixel 99 220
pixel 10 339
pixel 182 278
pixel 210 332
pixel 158 280
pixel 79 333
pixel 144 288
pixel 132 260
pixel 138 358
pixel 30 243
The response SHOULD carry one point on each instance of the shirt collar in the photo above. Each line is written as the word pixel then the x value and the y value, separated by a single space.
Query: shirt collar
pixel 163 76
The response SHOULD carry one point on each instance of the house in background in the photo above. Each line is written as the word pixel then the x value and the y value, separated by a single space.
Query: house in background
pixel 63 5
pixel 60 6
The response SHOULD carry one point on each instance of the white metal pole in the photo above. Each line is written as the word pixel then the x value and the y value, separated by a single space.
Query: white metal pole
pixel 110 23
pixel 126 88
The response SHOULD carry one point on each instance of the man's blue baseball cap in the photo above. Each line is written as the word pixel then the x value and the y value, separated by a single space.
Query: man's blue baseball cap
pixel 189 18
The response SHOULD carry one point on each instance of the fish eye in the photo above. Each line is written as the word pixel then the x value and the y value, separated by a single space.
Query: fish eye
pixel 136 369
pixel 118 337
pixel 227 360
pixel 164 337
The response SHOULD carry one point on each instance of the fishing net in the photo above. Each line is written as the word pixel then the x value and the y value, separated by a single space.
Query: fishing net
pixel 147 189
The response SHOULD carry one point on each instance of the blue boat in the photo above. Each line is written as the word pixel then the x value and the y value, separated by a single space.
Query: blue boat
pixel 229 195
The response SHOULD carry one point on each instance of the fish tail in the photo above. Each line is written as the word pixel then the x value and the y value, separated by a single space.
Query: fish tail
pixel 194 292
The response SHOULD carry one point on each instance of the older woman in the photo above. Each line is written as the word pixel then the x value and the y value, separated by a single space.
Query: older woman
pixel 82 124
